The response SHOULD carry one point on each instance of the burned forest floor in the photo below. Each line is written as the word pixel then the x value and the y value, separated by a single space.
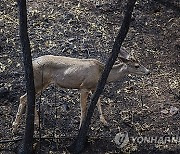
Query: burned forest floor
pixel 140 106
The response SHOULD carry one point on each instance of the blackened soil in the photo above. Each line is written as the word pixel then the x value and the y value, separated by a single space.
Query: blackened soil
pixel 140 105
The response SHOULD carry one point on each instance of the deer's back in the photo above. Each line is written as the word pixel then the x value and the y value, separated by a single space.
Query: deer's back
pixel 68 72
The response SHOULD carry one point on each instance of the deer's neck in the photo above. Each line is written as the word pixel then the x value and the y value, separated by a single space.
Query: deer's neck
pixel 117 72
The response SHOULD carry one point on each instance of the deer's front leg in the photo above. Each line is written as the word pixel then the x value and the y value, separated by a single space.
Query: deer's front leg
pixel 102 119
pixel 21 109
pixel 83 103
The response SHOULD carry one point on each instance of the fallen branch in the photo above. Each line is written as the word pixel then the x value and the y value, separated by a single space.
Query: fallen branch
pixel 12 140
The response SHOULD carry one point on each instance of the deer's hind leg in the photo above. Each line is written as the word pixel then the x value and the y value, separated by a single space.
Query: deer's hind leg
pixel 21 110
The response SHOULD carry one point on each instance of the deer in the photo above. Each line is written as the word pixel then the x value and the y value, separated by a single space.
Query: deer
pixel 74 73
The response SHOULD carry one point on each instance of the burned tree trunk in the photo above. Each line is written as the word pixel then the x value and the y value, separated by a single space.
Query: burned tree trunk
pixel 80 141
pixel 29 129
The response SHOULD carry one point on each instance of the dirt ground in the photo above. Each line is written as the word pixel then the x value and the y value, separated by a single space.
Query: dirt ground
pixel 142 106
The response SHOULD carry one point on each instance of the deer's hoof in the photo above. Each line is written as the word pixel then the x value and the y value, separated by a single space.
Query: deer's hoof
pixel 104 122
pixel 14 128
pixel 37 125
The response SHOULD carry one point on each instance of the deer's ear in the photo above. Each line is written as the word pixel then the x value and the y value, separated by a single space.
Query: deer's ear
pixel 123 55
pixel 124 60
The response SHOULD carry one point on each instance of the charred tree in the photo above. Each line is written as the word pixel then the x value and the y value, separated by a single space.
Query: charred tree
pixel 27 59
pixel 80 141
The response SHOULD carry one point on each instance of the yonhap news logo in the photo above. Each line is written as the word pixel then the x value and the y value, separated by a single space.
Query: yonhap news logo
pixel 122 139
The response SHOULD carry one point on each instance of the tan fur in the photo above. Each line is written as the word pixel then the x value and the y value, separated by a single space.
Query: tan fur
pixel 73 73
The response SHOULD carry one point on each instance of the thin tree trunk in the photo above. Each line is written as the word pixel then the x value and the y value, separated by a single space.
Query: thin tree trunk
pixel 29 129
pixel 80 141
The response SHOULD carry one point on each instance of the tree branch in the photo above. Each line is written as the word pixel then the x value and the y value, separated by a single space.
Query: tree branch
pixel 29 129
pixel 80 141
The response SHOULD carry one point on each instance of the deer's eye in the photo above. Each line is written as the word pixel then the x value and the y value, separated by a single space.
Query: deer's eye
pixel 136 65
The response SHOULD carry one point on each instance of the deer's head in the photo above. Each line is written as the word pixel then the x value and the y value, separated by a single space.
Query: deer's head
pixel 132 64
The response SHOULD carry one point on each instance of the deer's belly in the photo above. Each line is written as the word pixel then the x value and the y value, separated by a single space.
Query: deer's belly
pixel 76 82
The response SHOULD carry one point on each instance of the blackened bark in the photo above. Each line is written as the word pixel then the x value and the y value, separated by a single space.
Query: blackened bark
pixel 80 141
pixel 29 129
